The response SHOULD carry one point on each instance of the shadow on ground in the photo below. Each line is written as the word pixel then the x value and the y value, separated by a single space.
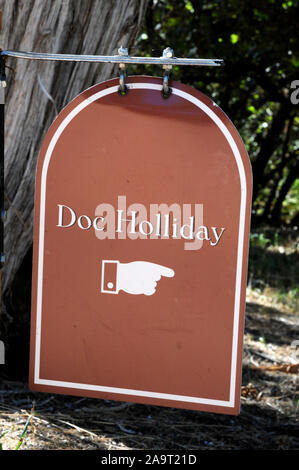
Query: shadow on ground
pixel 268 417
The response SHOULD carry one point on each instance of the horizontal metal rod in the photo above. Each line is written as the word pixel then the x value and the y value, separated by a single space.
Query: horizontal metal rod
pixel 114 59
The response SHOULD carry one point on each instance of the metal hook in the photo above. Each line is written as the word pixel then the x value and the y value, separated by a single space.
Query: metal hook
pixel 123 89
pixel 166 90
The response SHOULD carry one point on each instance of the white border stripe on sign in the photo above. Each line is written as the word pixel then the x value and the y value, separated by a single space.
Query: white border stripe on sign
pixel 123 391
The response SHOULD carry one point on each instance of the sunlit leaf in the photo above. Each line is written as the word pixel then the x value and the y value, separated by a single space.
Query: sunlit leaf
pixel 234 38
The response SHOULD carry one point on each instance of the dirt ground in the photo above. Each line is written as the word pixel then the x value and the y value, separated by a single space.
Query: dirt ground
pixel 268 417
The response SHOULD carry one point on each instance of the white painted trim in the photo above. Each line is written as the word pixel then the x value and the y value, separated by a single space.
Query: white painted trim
pixel 236 153
pixel 103 290
pixel 128 391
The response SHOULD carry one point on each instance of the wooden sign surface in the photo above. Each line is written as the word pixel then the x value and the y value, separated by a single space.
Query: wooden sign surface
pixel 142 218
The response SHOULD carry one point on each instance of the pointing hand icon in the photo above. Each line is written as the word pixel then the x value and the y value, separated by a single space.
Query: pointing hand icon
pixel 137 277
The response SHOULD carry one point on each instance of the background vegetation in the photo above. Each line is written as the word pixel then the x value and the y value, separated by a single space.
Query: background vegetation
pixel 259 43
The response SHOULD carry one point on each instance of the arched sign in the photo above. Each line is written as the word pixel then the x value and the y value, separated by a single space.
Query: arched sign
pixel 142 218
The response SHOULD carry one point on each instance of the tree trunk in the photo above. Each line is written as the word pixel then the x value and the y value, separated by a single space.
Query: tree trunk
pixel 69 26
pixel 267 148
pixel 292 176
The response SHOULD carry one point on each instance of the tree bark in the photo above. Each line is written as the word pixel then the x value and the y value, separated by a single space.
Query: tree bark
pixel 69 26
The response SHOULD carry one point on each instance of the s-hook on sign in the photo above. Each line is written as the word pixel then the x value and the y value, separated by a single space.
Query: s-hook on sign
pixel 142 216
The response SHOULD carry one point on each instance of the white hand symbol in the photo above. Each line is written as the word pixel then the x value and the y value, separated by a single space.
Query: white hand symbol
pixel 141 277
pixel 137 277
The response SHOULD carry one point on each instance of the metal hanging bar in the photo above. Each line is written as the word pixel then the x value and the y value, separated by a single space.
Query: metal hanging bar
pixel 114 59
pixel 123 89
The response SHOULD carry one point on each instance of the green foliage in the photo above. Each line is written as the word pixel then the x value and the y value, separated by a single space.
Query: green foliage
pixel 24 432
pixel 259 239
pixel 291 202
pixel 23 435
pixel 2 435
pixel 259 42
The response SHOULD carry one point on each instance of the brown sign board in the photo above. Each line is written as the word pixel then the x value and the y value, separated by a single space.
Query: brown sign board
pixel 142 219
